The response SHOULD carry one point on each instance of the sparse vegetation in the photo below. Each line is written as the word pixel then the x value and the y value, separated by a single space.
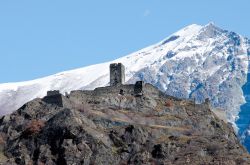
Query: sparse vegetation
pixel 3 158
pixel 114 150
pixel 2 143
pixel 169 103
pixel 213 149
pixel 34 127
pixel 181 139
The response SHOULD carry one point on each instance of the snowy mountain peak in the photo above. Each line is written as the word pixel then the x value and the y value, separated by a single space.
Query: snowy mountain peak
pixel 195 62
pixel 210 25
pixel 211 30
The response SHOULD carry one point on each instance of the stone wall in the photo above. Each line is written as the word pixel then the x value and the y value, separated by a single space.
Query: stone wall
pixel 54 99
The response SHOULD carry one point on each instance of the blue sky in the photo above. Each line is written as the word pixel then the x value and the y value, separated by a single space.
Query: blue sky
pixel 39 38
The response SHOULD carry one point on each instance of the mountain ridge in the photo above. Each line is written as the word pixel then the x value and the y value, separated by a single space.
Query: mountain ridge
pixel 195 62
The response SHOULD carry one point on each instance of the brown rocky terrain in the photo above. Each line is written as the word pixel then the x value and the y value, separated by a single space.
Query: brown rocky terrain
pixel 113 126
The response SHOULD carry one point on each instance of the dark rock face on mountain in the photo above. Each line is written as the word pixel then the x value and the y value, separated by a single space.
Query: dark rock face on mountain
pixel 112 125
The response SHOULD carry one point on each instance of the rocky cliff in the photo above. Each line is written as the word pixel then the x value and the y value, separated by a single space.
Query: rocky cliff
pixel 113 125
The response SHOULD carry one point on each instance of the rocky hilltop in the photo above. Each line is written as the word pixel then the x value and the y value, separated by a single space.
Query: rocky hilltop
pixel 196 62
pixel 122 124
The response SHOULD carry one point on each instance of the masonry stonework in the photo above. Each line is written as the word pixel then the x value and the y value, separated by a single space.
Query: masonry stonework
pixel 54 97
pixel 117 74
pixel 138 88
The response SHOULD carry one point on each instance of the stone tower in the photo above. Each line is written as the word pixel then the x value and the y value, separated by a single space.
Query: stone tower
pixel 117 74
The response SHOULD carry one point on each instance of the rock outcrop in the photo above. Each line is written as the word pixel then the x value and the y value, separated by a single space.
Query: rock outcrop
pixel 112 125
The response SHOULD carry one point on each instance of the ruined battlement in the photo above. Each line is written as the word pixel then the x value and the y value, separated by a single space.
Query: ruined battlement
pixel 53 93
pixel 136 90
pixel 117 74
pixel 118 95
pixel 117 88
pixel 139 88
pixel 54 97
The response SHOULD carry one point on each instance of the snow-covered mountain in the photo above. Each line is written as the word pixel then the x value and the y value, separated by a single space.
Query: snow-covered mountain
pixel 196 62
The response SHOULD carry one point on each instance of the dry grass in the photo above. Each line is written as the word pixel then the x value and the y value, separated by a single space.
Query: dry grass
pixel 162 139
pixel 133 118
pixel 123 111
pixel 159 107
pixel 181 139
pixel 185 138
pixel 119 119
pixel 3 158
pixel 169 127
pixel 170 117
pixel 99 113
pixel 183 103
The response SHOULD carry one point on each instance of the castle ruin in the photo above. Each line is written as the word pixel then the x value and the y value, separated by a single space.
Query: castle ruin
pixel 117 74
pixel 54 97
pixel 53 93
pixel 117 78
